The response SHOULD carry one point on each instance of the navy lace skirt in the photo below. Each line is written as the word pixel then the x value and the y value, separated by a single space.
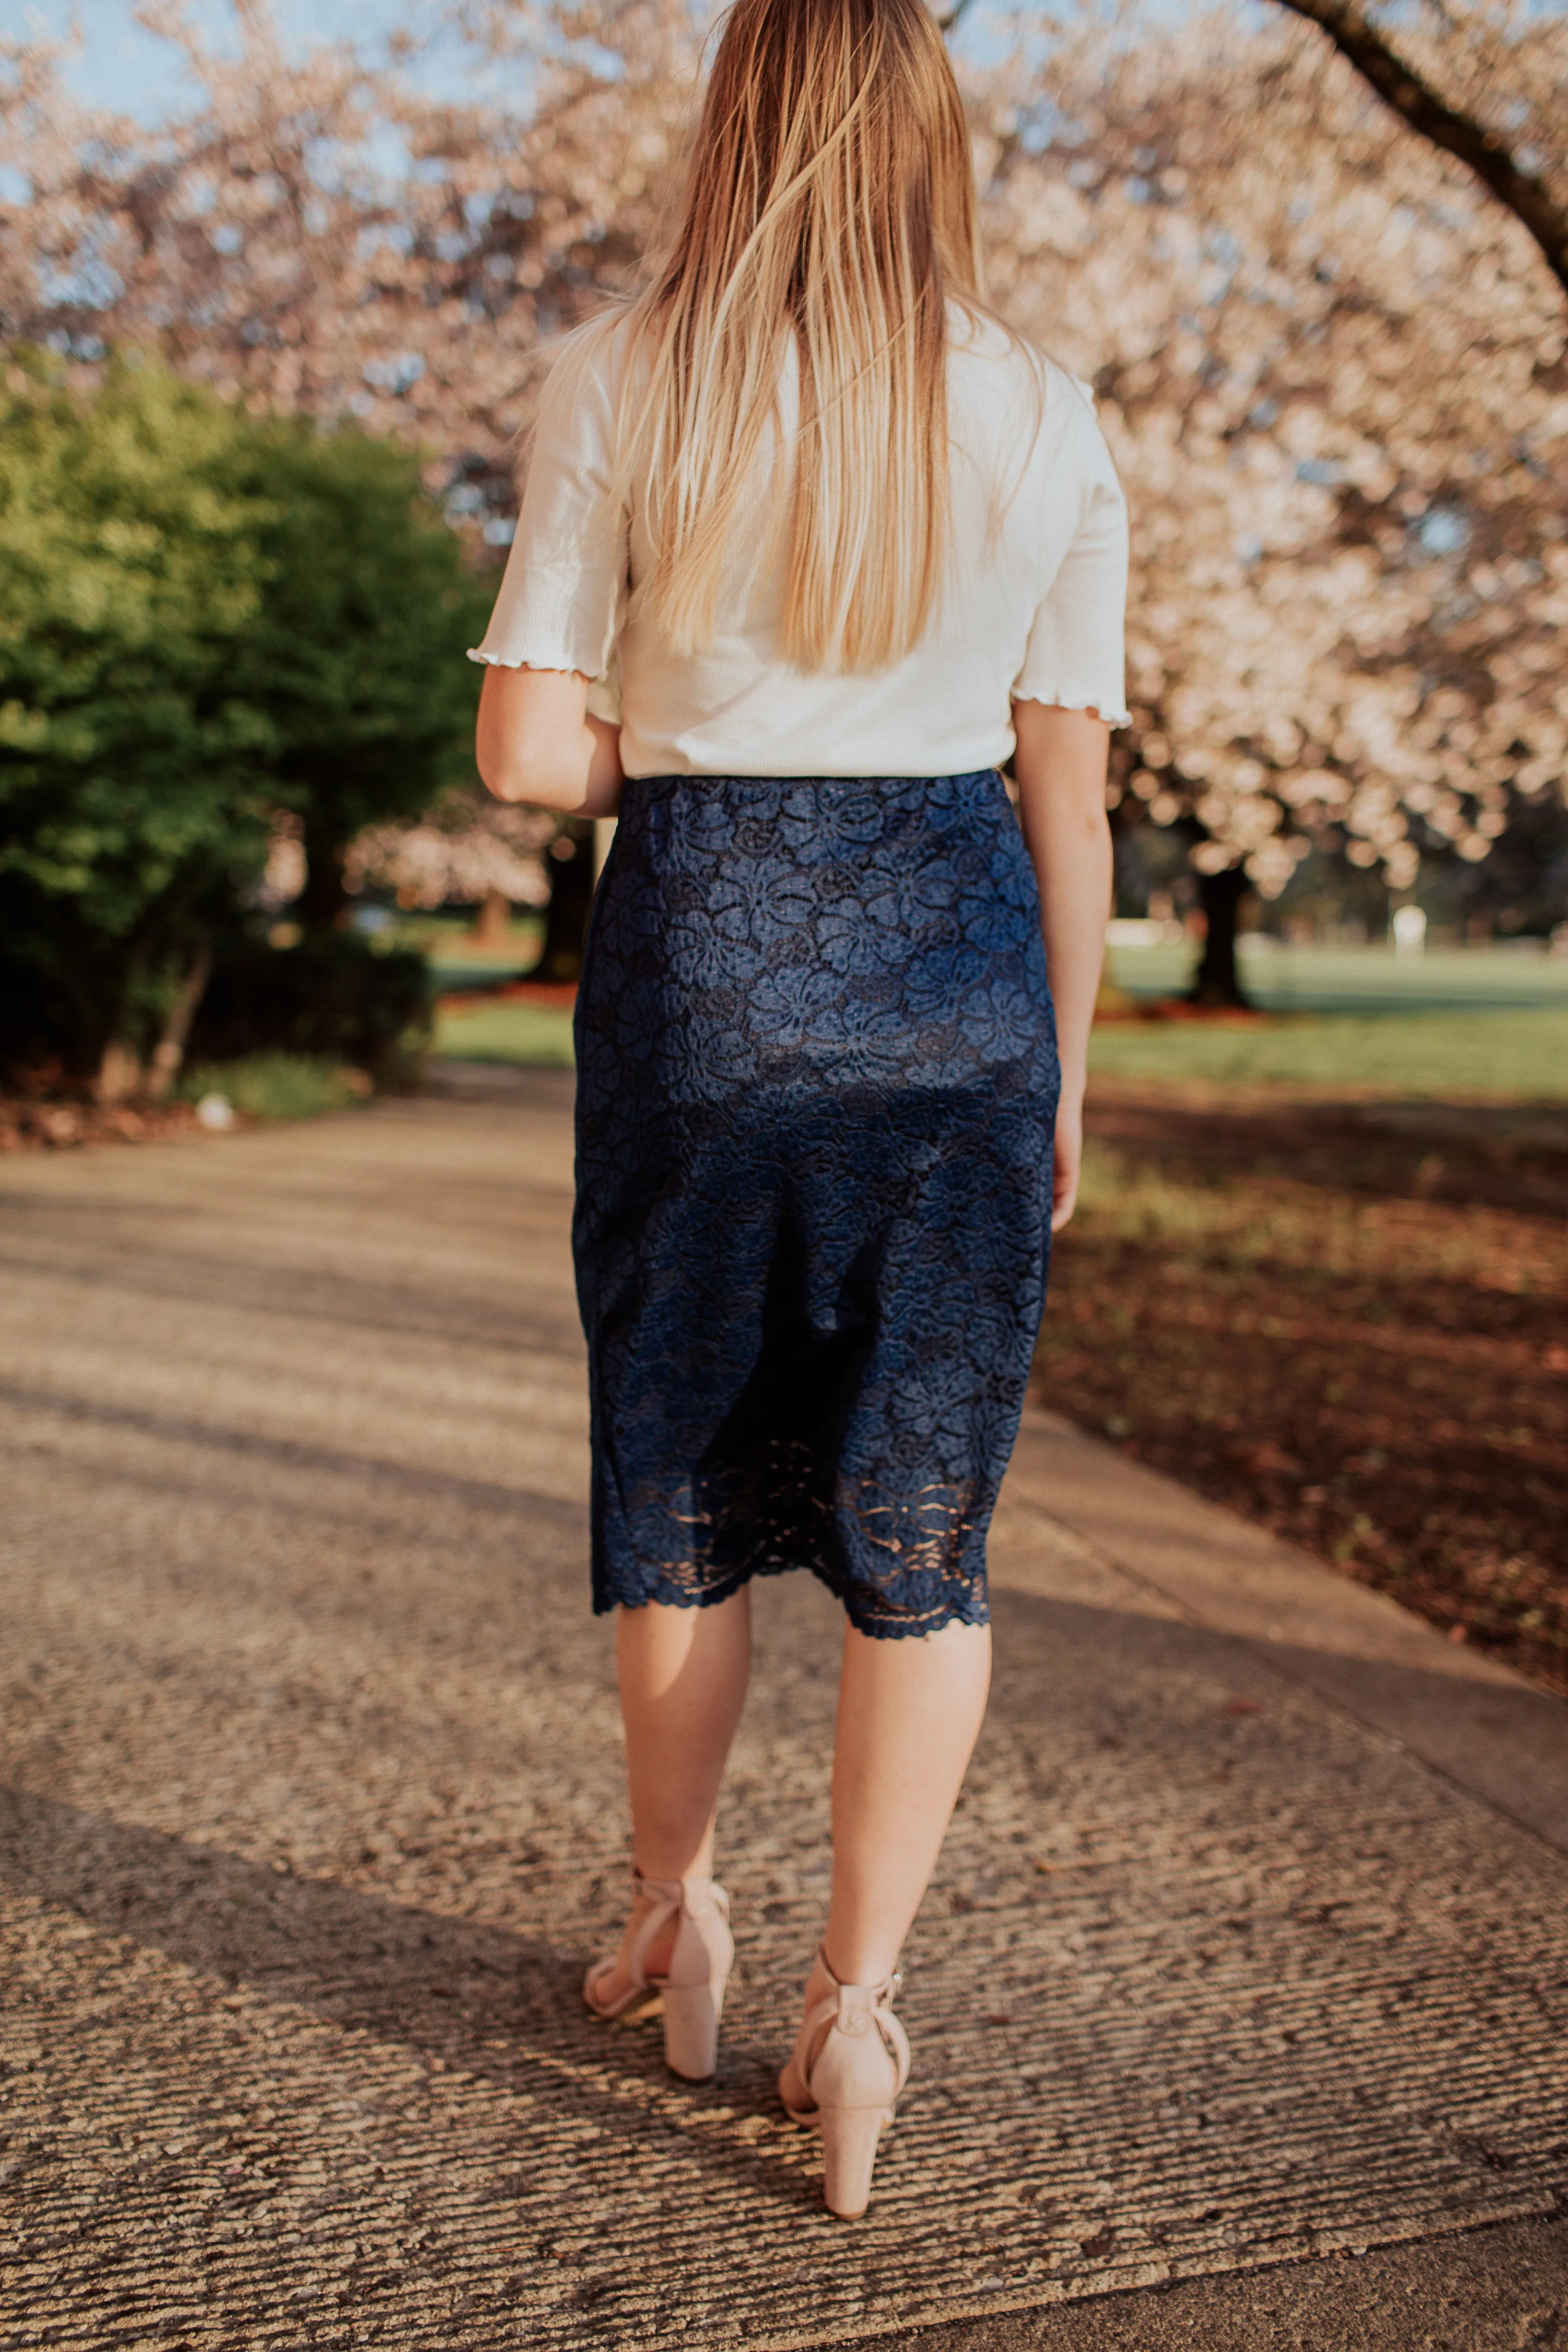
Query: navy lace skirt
pixel 816 1087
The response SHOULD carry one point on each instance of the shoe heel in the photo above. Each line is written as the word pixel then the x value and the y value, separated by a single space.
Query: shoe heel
pixel 850 2136
pixel 690 2032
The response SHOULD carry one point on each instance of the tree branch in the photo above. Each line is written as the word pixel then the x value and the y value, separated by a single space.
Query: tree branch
pixel 1401 87
pixel 951 17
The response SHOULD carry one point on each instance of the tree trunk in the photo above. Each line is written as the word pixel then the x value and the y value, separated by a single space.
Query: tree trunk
pixel 170 1050
pixel 323 903
pixel 119 1072
pixel 1217 981
pixel 492 925
pixel 1505 170
pixel 120 1065
pixel 569 866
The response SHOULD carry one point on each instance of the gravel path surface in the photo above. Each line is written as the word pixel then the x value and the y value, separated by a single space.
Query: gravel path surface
pixel 311 1816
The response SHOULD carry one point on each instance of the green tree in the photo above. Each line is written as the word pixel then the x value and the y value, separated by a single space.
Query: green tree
pixel 204 619
pixel 133 774
pixel 356 654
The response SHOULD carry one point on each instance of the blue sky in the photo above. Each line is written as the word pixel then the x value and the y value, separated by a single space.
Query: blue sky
pixel 121 65
pixel 124 68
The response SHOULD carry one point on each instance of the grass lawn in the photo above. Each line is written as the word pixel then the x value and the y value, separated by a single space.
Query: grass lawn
pixel 539 1036
pixel 1516 1054
pixel 277 1086
pixel 457 959
pixel 450 938
pixel 1348 1323
pixel 1520 1054
pixel 1281 978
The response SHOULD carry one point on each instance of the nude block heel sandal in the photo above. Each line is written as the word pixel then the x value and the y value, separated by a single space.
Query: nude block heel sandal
pixel 851 2061
pixel 692 1987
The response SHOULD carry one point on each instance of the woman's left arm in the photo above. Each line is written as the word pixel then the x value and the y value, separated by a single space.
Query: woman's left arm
pixel 537 743
pixel 1060 766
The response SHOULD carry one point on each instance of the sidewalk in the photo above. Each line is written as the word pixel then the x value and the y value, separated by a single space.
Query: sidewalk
pixel 311 1816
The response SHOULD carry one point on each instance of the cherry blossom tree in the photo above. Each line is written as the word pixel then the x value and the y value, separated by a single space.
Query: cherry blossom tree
pixel 469 850
pixel 316 235
pixel 1334 375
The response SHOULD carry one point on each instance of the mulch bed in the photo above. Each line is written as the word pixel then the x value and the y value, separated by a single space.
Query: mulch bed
pixel 27 1123
pixel 1347 1321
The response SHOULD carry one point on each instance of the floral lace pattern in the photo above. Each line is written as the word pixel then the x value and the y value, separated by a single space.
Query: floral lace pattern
pixel 816 1088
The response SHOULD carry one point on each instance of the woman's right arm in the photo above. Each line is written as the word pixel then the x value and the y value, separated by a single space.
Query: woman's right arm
pixel 537 743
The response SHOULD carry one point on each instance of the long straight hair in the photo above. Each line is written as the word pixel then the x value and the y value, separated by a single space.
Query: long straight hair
pixel 830 199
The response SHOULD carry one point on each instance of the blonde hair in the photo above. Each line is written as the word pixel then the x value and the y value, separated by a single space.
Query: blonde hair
pixel 830 199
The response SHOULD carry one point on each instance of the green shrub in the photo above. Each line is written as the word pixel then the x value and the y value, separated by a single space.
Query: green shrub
pixel 276 1085
pixel 332 997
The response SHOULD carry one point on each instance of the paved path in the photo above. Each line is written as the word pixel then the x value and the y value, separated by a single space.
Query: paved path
pixel 1250 1946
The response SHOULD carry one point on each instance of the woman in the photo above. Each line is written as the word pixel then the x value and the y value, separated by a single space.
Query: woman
pixel 849 544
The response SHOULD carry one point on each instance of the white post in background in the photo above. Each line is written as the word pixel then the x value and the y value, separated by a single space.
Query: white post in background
pixel 1409 931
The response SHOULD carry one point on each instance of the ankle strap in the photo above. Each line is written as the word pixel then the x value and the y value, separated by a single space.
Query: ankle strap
pixel 678 1893
pixel 700 1900
pixel 880 1993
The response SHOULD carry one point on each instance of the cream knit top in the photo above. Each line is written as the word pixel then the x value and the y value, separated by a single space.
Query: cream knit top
pixel 1031 608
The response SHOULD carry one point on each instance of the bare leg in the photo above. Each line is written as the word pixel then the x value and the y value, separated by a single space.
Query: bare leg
pixel 683 1676
pixel 909 1712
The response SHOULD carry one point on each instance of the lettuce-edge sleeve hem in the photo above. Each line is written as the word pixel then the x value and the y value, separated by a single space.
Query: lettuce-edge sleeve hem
pixel 552 658
pixel 1104 706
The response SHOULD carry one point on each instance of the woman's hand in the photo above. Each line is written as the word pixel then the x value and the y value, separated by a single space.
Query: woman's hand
pixel 1067 1160
pixel 536 743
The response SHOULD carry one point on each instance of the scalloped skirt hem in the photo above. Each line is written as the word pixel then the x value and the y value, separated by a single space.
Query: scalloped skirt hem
pixel 670 1592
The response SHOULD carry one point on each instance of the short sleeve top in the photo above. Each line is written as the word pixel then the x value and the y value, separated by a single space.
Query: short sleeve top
pixel 1031 607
